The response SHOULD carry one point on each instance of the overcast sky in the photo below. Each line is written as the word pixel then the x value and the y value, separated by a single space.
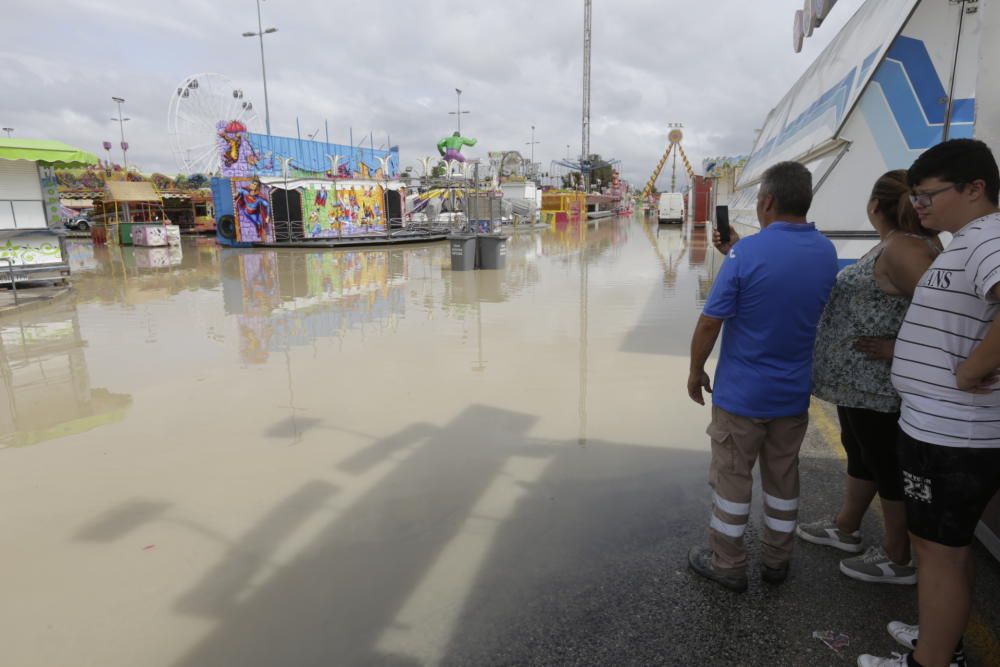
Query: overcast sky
pixel 391 67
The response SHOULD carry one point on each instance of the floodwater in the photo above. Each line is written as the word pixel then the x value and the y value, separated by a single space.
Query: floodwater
pixel 292 457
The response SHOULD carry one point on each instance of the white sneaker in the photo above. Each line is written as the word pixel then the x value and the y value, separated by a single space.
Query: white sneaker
pixel 874 661
pixel 907 635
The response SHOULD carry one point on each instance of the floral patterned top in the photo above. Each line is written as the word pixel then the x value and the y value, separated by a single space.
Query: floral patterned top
pixel 857 307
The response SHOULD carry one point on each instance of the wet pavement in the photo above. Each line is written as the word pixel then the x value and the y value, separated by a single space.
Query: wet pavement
pixel 219 457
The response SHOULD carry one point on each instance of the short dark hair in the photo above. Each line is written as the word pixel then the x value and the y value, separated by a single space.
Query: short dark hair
pixel 958 161
pixel 790 183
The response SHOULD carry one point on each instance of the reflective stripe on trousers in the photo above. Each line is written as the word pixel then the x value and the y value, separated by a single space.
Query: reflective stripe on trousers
pixel 737 444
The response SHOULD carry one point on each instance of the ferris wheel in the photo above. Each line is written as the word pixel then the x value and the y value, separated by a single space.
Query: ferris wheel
pixel 196 107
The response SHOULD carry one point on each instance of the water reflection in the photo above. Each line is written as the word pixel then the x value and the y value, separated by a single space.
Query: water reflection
pixel 46 390
pixel 284 298
pixel 688 265
pixel 130 275
pixel 355 443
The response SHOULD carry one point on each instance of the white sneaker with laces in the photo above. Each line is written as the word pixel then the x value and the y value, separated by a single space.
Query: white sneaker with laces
pixel 905 635
pixel 897 660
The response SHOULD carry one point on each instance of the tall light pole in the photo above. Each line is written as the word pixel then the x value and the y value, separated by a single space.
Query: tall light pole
pixel 532 144
pixel 263 67
pixel 9 131
pixel 121 128
pixel 585 143
pixel 459 112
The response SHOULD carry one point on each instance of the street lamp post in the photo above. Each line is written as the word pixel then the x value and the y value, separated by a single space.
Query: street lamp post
pixel 532 143
pixel 121 128
pixel 459 112
pixel 263 67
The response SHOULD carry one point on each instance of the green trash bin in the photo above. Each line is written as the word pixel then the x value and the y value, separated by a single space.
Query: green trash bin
pixel 125 233
pixel 492 251
pixel 463 252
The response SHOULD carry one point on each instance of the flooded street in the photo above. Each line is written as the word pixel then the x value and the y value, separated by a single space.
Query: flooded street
pixel 262 457
pixel 217 457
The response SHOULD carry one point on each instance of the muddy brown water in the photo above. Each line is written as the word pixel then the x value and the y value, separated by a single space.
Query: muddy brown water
pixel 222 456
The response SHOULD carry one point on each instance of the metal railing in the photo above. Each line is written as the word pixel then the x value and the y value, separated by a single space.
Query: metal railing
pixel 13 282
pixel 297 231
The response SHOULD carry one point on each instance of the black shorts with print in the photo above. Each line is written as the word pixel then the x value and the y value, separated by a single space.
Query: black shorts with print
pixel 946 489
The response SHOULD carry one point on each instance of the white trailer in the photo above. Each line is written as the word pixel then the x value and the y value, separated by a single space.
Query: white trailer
pixel 899 78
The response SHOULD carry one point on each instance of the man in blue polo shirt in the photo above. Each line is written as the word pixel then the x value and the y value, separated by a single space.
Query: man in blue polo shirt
pixel 767 301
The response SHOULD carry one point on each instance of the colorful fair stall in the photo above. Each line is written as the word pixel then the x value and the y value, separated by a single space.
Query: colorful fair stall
pixel 31 230
pixel 133 211
pixel 279 190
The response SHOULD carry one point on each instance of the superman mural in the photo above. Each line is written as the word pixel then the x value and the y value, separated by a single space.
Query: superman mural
pixel 252 206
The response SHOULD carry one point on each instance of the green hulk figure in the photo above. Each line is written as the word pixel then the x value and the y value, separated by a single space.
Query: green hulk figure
pixel 450 148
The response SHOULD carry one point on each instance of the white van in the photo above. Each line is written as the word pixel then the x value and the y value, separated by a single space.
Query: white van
pixel 671 207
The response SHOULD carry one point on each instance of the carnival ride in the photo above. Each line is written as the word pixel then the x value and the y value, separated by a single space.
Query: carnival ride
pixel 674 139
pixel 195 108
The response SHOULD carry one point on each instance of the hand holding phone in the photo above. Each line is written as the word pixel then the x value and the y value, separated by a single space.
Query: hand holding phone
pixel 722 224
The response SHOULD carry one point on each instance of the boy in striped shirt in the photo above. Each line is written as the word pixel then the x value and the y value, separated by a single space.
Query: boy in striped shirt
pixel 945 369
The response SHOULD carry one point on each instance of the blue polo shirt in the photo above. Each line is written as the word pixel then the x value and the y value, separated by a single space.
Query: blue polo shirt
pixel 770 291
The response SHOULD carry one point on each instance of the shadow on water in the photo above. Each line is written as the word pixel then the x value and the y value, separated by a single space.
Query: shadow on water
pixel 484 546
pixel 386 582
pixel 122 520
pixel 221 588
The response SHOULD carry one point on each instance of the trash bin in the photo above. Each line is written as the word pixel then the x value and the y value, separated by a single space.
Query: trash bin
pixel 463 252
pixel 492 251
pixel 125 233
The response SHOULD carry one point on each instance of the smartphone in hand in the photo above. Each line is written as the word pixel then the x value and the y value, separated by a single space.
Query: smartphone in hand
pixel 722 223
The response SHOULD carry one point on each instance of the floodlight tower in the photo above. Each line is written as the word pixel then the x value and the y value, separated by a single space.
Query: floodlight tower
pixel 585 144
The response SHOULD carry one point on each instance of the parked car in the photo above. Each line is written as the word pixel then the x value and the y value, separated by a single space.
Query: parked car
pixel 79 224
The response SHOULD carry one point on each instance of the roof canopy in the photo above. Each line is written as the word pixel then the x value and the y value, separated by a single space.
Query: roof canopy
pixel 809 117
pixel 49 153
pixel 127 191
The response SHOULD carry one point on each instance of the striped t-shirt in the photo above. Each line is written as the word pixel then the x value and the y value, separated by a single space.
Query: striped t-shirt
pixel 950 314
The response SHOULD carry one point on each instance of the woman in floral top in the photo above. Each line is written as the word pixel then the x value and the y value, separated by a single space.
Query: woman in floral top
pixel 851 365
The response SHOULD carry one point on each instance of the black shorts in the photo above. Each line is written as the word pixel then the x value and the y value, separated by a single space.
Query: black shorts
pixel 870 439
pixel 946 489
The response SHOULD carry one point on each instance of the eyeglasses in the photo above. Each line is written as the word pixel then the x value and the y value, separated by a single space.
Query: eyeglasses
pixel 926 199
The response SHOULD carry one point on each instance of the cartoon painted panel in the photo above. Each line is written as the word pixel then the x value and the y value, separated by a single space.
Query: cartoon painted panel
pixel 50 191
pixel 346 211
pixel 32 249
pixel 237 156
pixel 252 208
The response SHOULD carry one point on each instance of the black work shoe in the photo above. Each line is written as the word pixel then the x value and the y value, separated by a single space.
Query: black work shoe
pixel 700 560
pixel 774 575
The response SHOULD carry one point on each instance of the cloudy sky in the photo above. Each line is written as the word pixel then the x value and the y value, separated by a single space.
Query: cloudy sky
pixel 390 67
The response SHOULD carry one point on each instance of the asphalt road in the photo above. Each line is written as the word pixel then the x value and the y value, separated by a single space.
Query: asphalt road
pixel 638 604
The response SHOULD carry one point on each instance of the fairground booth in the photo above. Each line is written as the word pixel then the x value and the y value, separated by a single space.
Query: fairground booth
pixel 280 190
pixel 31 231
